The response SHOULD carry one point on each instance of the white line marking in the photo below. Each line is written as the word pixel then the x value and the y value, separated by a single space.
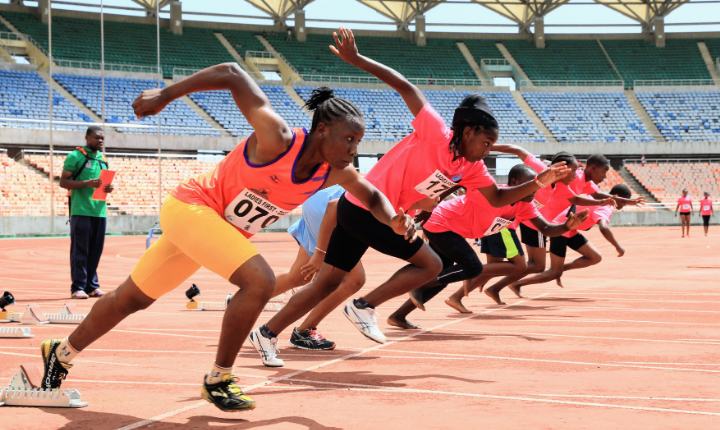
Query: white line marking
pixel 492 333
pixel 318 366
pixel 669 399
pixel 573 320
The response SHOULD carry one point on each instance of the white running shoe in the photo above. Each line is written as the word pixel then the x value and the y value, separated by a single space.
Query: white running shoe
pixel 267 348
pixel 365 320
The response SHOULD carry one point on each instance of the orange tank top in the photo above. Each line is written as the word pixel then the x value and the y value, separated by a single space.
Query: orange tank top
pixel 253 196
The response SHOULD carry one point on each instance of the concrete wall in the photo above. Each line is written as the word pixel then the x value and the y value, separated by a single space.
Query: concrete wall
pixel 30 226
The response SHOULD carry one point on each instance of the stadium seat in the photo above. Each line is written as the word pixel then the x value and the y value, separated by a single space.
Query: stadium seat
pixel 666 180
pixel 24 96
pixel 588 117
pixel 684 116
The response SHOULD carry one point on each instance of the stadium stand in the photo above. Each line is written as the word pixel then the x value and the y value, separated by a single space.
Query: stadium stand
pixel 562 60
pixel 136 182
pixel 588 117
pixel 441 58
pixel 666 180
pixel 221 107
pixel 25 192
pixel 24 96
pixel 483 48
pixel 243 41
pixel 638 60
pixel 387 117
pixel 684 116
pixel 125 42
pixel 4 28
pixel 119 95
pixel 613 178
pixel 713 46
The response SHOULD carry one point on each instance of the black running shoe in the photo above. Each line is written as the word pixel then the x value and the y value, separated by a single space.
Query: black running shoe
pixel 55 370
pixel 227 396
pixel 310 339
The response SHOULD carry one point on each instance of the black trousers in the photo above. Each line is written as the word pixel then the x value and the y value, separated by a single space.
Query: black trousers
pixel 87 238
pixel 460 262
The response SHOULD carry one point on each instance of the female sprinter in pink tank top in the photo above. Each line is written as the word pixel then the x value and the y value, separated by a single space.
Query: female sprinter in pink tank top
pixel 207 220
pixel 430 160
pixel 685 206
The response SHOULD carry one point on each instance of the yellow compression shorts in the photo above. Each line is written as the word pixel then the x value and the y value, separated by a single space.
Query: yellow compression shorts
pixel 192 236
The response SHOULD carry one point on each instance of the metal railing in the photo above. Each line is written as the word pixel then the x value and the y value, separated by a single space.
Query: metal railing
pixel 671 160
pixel 259 54
pixel 115 67
pixel 495 62
pixel 7 210
pixel 7 35
pixel 152 156
pixel 573 83
pixel 672 82
pixel 417 81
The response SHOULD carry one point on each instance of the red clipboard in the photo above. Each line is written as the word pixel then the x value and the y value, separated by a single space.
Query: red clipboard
pixel 107 177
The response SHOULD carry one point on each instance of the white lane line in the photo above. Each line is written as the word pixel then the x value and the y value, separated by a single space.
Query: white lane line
pixel 617 299
pixel 434 393
pixel 315 367
pixel 540 360
pixel 573 320
pixel 665 399
pixel 665 363
pixel 609 309
pixel 493 333
pixel 163 334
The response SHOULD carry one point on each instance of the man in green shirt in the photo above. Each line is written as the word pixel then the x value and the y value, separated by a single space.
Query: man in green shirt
pixel 81 175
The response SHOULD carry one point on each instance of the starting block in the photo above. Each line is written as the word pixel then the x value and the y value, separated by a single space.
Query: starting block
pixel 151 236
pixel 24 391
pixel 274 305
pixel 33 316
pixel 15 332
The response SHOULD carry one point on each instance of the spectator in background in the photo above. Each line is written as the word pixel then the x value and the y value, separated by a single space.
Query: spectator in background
pixel 706 210
pixel 685 206
pixel 289 36
pixel 81 175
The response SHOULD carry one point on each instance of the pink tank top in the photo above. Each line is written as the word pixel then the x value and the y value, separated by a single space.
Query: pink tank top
pixel 253 196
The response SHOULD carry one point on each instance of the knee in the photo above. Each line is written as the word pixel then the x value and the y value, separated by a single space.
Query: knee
pixel 128 304
pixel 260 284
pixel 596 259
pixel 434 265
pixel 353 284
pixel 474 270
pixel 520 267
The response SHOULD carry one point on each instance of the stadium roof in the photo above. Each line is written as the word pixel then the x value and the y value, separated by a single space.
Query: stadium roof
pixel 522 12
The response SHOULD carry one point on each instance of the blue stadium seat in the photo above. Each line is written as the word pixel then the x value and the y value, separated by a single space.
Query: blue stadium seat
pixel 690 116
pixel 588 117
pixel 177 118
pixel 24 95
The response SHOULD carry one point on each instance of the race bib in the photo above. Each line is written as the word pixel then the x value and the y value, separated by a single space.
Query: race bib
pixel 252 213
pixel 435 185
pixel 497 225
pixel 686 207
pixel 706 208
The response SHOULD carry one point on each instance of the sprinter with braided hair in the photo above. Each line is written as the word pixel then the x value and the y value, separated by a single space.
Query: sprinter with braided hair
pixel 427 162
pixel 208 220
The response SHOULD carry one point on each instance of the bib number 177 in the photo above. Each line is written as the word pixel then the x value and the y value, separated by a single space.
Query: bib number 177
pixel 252 213
pixel 434 185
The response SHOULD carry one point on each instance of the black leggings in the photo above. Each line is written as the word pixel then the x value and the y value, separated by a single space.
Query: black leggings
pixel 706 220
pixel 460 262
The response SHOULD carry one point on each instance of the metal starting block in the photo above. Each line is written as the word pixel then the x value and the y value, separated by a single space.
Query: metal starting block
pixel 23 391
pixel 274 305
pixel 33 315
pixel 15 332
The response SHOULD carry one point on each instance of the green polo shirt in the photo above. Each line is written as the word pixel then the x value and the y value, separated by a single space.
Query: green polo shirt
pixel 81 202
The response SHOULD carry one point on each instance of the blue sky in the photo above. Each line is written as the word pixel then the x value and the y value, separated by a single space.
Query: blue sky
pixel 445 13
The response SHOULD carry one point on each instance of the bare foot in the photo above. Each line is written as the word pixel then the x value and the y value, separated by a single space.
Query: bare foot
pixel 495 295
pixel 416 298
pixel 516 290
pixel 457 305
pixel 402 323
pixel 559 282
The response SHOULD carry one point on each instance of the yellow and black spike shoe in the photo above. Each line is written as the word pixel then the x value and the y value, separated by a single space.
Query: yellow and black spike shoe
pixel 55 370
pixel 227 396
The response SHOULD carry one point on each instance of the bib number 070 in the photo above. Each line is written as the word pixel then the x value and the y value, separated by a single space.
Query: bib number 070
pixel 252 213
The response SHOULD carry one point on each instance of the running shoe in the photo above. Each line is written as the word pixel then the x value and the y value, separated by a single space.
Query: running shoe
pixel 79 295
pixel 364 320
pixel 96 293
pixel 310 339
pixel 267 348
pixel 227 396
pixel 55 370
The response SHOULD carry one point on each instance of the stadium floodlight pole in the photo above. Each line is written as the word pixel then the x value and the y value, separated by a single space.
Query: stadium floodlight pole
pixel 102 58
pixel 50 102
pixel 159 130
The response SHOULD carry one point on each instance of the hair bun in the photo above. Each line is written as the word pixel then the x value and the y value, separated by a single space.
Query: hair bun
pixel 319 96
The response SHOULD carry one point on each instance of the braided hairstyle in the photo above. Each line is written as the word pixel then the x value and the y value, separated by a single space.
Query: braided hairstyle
pixel 327 108
pixel 563 156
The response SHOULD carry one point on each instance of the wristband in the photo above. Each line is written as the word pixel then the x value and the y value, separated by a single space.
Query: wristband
pixel 318 249
pixel 539 184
